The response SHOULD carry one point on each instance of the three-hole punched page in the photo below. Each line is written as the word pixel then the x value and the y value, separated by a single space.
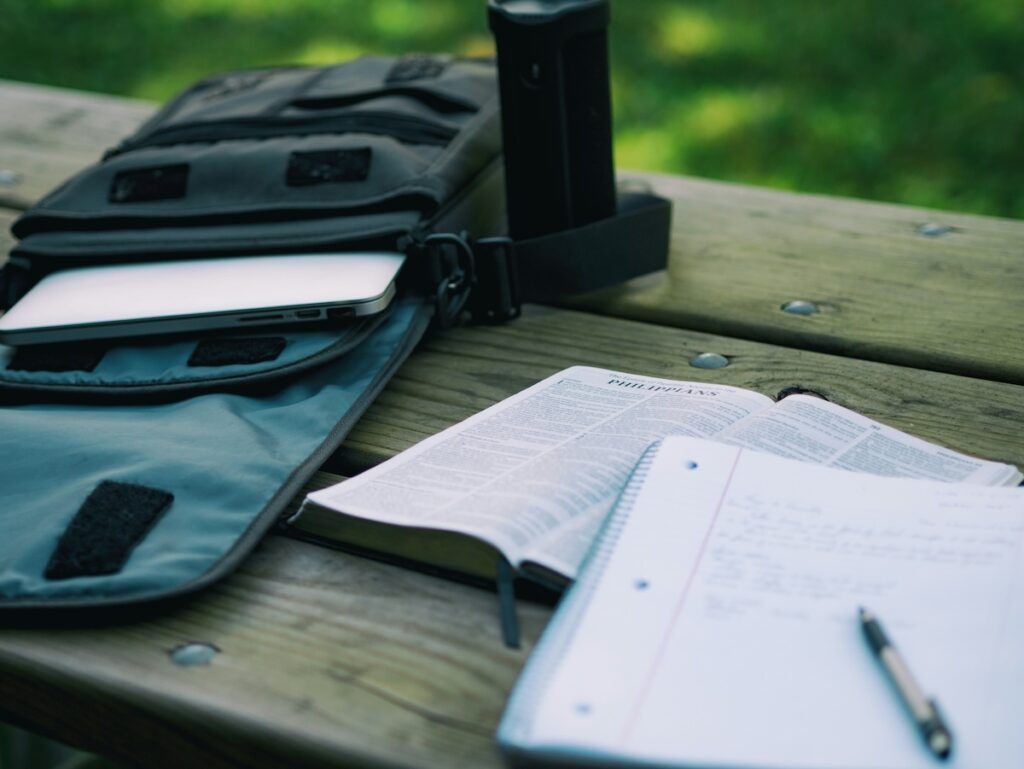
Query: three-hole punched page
pixel 714 624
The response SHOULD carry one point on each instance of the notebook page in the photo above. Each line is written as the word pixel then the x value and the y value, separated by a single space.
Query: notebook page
pixel 722 629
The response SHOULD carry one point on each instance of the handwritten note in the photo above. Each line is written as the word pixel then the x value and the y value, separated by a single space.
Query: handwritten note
pixel 718 626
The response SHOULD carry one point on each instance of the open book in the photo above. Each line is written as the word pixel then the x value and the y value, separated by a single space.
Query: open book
pixel 714 623
pixel 532 477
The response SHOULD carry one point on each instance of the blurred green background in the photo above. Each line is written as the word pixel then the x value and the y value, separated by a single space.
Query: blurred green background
pixel 915 101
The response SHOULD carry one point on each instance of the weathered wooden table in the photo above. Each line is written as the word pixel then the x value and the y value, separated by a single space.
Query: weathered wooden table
pixel 325 659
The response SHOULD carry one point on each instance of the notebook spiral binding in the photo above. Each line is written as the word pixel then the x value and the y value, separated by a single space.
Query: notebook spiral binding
pixel 558 635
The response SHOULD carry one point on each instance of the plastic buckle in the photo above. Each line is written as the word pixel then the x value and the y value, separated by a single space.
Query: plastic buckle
pixel 496 297
pixel 453 271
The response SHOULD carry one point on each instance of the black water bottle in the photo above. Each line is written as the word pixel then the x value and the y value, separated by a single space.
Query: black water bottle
pixel 555 112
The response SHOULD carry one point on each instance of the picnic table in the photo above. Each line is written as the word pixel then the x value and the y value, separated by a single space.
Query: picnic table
pixel 312 657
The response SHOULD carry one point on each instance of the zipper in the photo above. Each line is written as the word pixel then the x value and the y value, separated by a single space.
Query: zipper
pixel 405 128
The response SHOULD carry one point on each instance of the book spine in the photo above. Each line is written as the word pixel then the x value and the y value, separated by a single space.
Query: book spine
pixel 514 730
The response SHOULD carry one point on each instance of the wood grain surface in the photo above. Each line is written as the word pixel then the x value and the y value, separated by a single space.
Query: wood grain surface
pixel 456 373
pixel 7 218
pixel 327 659
pixel 891 283
pixel 324 660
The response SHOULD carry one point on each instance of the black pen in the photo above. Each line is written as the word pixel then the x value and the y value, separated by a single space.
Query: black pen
pixel 924 711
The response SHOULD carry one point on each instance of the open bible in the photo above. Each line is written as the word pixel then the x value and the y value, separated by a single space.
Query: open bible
pixel 532 477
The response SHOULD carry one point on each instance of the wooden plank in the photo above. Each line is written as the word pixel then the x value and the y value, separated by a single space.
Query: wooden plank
pixel 456 373
pixel 48 134
pixel 892 283
pixel 324 659
pixel 328 659
pixel 7 217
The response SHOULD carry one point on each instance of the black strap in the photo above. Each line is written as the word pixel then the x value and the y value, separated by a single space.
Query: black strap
pixel 600 254
pixel 633 242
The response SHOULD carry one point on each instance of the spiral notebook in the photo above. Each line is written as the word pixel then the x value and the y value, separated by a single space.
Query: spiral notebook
pixel 714 623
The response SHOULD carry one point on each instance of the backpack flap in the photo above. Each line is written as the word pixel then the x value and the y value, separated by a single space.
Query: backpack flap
pixel 150 370
pixel 125 496
pixel 347 157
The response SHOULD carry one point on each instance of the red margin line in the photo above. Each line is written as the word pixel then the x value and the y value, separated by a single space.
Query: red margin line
pixel 645 689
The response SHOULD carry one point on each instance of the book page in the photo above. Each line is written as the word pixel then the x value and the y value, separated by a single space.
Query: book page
pixel 814 430
pixel 715 625
pixel 537 473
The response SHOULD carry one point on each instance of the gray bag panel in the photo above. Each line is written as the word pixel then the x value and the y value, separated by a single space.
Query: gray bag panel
pixel 448 88
pixel 240 177
pixel 323 148
pixel 147 368
pixel 380 231
pixel 446 85
pixel 225 458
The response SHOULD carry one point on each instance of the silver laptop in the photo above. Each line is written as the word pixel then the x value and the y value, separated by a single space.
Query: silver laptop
pixel 128 300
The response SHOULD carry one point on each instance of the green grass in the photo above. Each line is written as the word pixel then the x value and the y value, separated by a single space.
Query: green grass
pixel 915 101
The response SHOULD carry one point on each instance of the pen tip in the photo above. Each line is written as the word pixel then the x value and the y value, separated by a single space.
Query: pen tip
pixel 941 744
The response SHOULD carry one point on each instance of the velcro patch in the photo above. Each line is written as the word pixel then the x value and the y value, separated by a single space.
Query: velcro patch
pixel 143 185
pixel 56 357
pixel 416 66
pixel 231 351
pixel 328 166
pixel 110 523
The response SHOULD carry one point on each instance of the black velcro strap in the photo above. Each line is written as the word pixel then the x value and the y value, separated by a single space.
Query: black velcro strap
pixel 143 185
pixel 416 66
pixel 603 253
pixel 57 357
pixel 328 166
pixel 110 523
pixel 232 351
